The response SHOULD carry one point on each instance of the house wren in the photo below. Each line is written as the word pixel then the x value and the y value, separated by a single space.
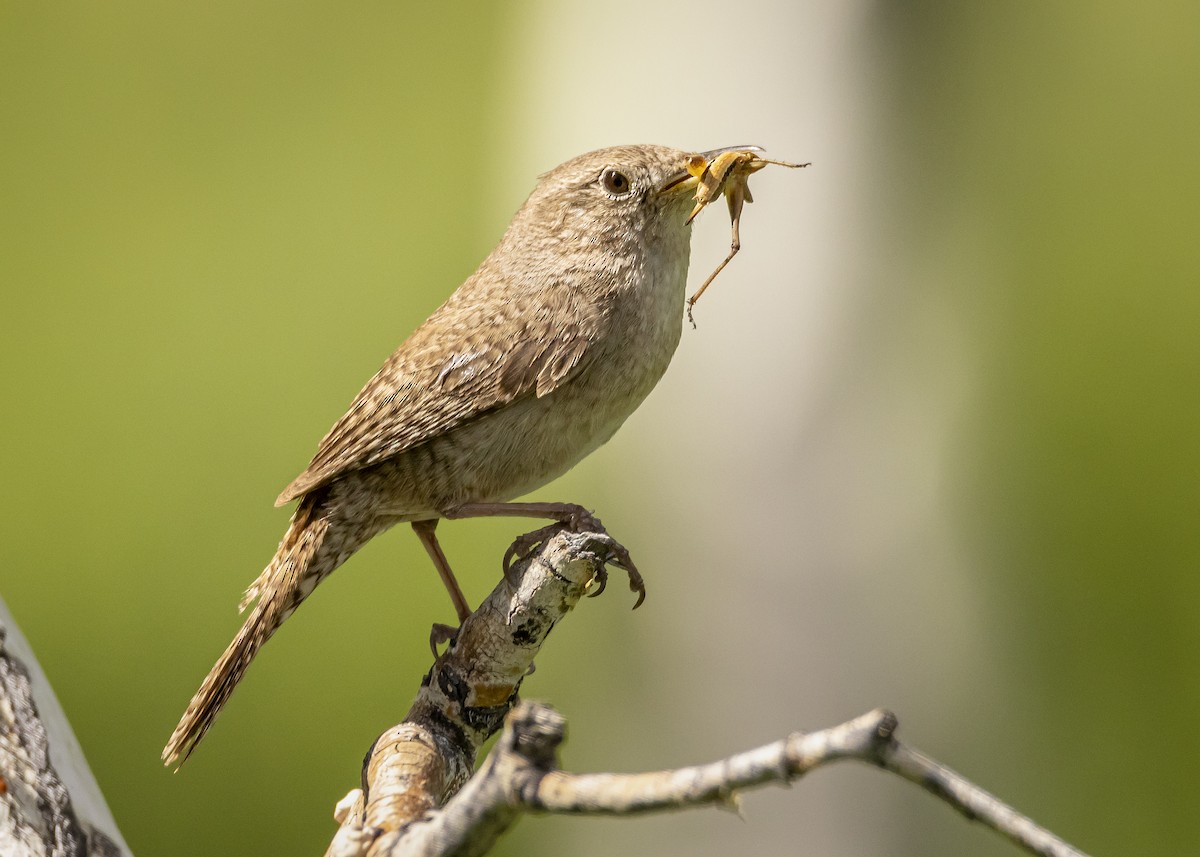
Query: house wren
pixel 529 366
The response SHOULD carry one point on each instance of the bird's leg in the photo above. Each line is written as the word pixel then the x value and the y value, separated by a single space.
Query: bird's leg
pixel 441 633
pixel 569 516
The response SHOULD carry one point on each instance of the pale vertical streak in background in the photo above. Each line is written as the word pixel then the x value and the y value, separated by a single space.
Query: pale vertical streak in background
pixel 790 458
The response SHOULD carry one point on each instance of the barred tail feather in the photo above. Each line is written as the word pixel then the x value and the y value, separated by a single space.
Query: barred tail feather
pixel 288 580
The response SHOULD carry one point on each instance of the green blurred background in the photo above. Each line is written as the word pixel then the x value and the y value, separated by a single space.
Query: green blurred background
pixel 935 445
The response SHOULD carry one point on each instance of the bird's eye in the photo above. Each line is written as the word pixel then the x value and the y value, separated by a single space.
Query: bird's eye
pixel 615 182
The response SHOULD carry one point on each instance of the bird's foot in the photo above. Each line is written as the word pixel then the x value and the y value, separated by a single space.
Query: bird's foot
pixel 577 519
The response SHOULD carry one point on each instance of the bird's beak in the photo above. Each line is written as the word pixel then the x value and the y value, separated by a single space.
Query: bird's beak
pixel 694 167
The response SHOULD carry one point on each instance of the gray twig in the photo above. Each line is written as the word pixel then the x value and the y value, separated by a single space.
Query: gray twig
pixel 421 802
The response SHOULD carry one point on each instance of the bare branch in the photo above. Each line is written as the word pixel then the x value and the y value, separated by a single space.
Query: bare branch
pixel 50 805
pixel 425 762
pixel 417 765
pixel 715 783
pixel 519 777
pixel 972 801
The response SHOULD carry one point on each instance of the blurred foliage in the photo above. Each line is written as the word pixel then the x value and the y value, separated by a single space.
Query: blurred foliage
pixel 1050 179
pixel 182 186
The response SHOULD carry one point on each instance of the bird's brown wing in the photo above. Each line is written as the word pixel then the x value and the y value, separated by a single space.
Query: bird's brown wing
pixel 427 389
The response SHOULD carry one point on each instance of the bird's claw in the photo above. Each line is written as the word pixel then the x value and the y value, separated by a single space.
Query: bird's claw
pixel 580 520
pixel 523 547
pixel 600 579
pixel 617 554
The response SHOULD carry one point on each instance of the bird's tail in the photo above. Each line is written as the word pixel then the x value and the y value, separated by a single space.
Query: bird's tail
pixel 304 558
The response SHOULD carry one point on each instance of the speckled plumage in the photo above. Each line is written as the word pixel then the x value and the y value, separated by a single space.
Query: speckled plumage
pixel 530 365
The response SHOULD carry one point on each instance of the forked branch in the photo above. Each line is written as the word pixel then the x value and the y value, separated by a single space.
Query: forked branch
pixel 421 800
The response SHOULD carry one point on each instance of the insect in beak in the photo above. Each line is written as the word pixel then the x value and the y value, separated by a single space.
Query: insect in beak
pixel 725 171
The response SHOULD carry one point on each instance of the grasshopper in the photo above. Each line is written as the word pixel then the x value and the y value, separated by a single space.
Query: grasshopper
pixel 728 173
